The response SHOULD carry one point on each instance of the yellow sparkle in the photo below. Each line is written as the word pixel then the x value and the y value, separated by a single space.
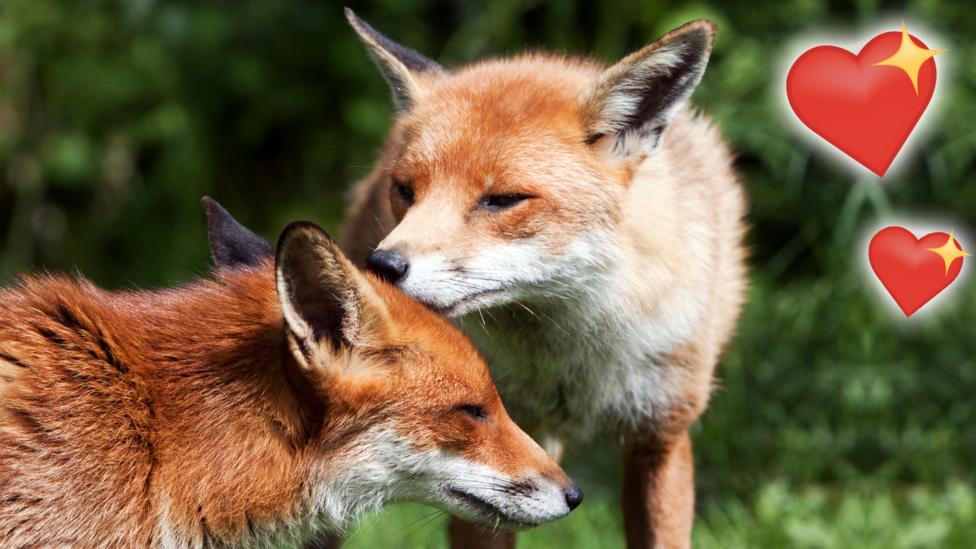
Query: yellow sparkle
pixel 949 252
pixel 909 57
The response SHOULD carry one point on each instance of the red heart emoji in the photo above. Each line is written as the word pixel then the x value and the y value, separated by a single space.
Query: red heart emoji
pixel 867 111
pixel 909 268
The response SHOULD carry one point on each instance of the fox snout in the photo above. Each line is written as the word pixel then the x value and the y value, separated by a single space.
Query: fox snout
pixel 574 496
pixel 482 495
pixel 390 265
pixel 536 489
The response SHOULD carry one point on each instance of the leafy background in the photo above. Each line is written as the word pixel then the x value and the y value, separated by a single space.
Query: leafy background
pixel 836 423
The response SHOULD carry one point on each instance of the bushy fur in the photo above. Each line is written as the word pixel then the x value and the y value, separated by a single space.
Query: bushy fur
pixel 183 417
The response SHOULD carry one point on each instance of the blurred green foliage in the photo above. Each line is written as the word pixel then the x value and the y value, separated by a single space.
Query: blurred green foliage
pixel 834 424
pixel 778 517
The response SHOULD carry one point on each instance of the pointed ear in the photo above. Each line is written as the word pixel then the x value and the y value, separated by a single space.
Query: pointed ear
pixel 633 102
pixel 402 67
pixel 327 303
pixel 231 243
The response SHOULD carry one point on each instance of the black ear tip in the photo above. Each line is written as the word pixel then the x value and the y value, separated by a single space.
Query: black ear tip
pixel 356 22
pixel 216 214
pixel 704 25
pixel 365 30
pixel 306 233
pixel 307 227
pixel 219 220
pixel 694 38
pixel 211 207
pixel 703 30
pixel 710 25
pixel 231 243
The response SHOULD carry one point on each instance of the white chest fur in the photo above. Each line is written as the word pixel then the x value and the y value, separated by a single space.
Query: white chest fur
pixel 570 369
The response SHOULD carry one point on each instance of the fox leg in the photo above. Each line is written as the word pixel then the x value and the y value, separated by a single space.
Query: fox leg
pixel 658 493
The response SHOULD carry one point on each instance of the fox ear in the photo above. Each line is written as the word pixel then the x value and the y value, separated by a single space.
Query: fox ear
pixel 327 303
pixel 403 68
pixel 231 243
pixel 633 102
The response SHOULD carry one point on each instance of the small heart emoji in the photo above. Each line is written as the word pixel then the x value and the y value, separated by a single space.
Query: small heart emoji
pixel 914 270
pixel 867 104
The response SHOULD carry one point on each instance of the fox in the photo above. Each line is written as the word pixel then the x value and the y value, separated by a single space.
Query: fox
pixel 584 224
pixel 287 391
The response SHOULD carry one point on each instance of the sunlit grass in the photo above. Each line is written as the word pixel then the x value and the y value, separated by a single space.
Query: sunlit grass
pixel 778 517
pixel 595 524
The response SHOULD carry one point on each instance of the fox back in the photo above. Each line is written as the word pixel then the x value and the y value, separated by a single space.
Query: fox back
pixel 285 391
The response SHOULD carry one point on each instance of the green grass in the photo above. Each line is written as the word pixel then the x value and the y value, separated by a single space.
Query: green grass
pixel 778 517
pixel 595 524
pixel 854 517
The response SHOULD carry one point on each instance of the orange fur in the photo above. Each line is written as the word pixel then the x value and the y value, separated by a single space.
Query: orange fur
pixel 179 417
pixel 614 283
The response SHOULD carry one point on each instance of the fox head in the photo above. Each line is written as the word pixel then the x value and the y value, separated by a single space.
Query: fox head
pixel 408 410
pixel 507 177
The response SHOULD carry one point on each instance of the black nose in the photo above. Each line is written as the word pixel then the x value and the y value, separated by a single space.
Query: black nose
pixel 387 264
pixel 574 496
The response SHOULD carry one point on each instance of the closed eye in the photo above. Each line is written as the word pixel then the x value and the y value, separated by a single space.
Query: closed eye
pixel 498 202
pixel 404 191
pixel 473 411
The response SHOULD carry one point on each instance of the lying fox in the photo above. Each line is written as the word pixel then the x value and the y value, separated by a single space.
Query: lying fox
pixel 289 389
pixel 585 227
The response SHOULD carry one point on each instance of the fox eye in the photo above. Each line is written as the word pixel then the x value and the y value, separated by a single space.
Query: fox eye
pixel 473 411
pixel 498 202
pixel 404 191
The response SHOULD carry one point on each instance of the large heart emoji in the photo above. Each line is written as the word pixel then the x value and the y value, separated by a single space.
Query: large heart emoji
pixel 914 270
pixel 866 104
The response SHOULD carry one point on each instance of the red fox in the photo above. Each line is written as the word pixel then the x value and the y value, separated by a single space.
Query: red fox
pixel 585 227
pixel 289 389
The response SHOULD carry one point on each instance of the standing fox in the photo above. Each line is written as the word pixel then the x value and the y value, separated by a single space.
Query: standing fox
pixel 586 228
pixel 289 389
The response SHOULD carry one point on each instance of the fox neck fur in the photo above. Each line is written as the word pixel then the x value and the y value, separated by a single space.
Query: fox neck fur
pixel 189 393
pixel 636 342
